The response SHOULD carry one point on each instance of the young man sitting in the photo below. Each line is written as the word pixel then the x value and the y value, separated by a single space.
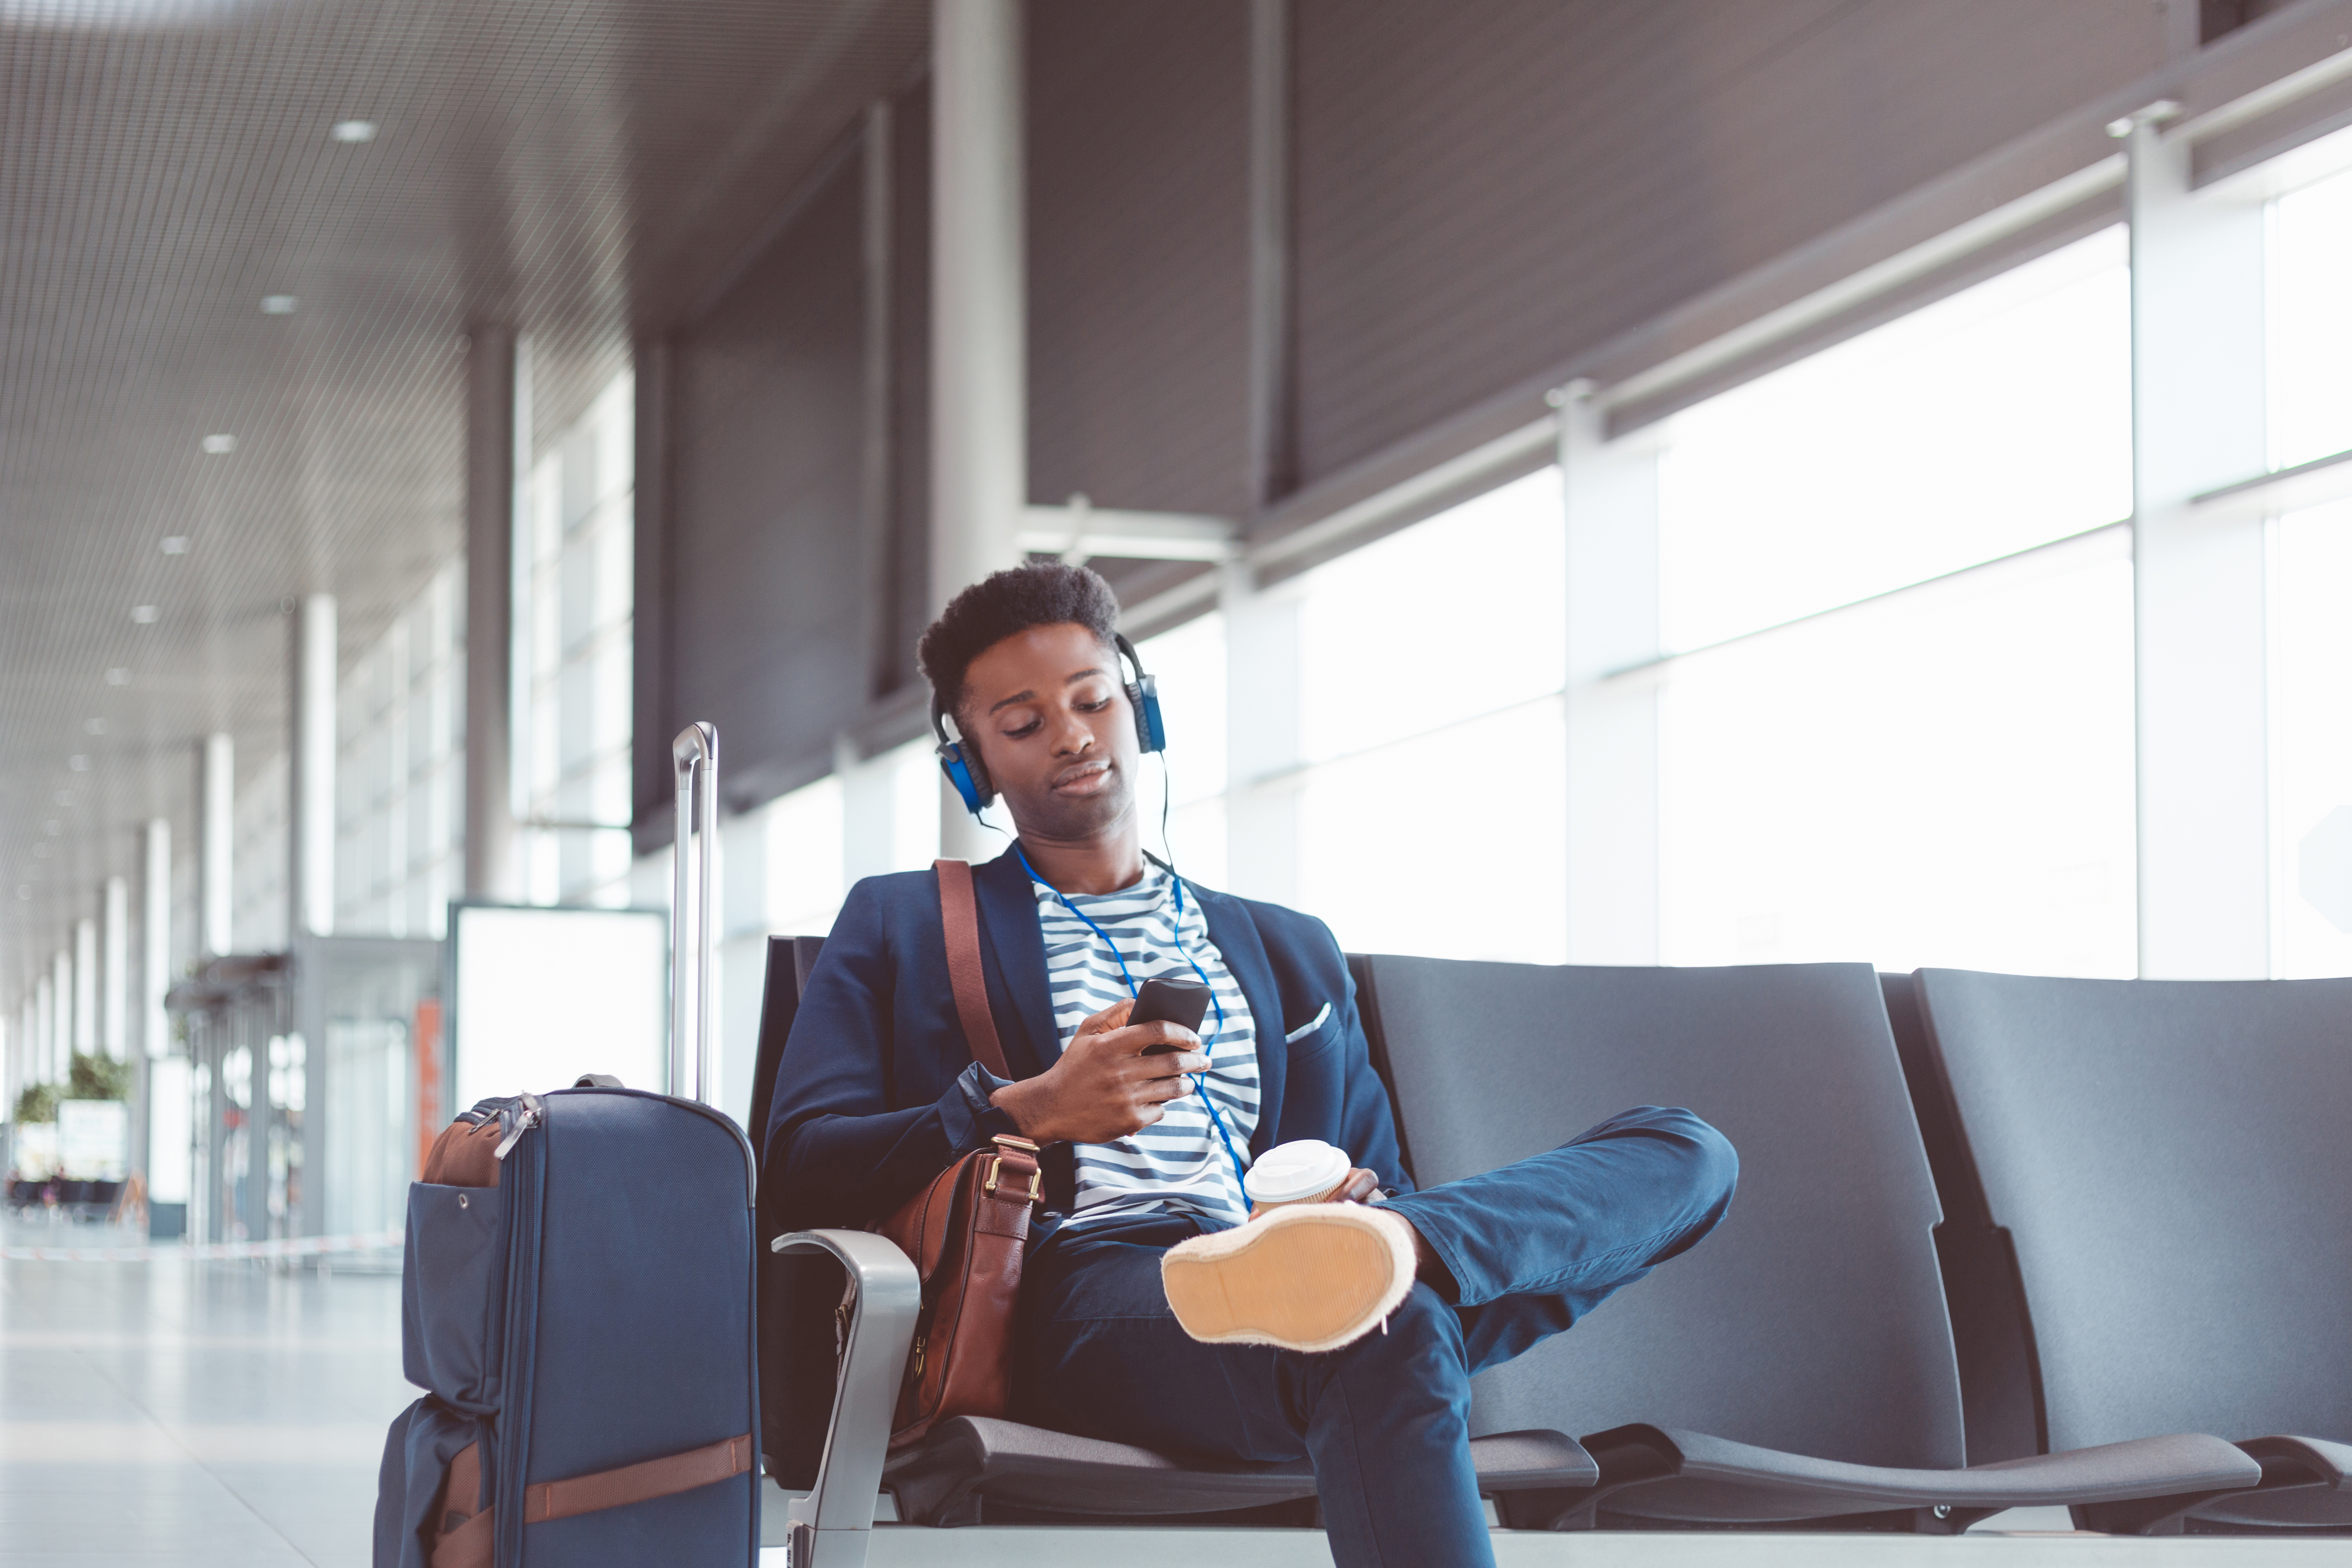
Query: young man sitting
pixel 1154 1310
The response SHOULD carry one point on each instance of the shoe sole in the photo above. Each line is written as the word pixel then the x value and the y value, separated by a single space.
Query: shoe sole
pixel 1312 1276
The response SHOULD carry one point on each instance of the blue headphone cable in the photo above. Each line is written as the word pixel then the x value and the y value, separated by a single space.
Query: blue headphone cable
pixel 1200 1086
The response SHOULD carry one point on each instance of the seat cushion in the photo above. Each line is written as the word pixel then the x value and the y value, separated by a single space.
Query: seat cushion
pixel 1648 1472
pixel 2306 1484
pixel 943 1479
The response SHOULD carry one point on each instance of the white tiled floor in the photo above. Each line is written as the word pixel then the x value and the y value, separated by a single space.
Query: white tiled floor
pixel 198 1414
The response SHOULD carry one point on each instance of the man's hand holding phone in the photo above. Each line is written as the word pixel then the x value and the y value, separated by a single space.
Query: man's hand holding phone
pixel 1116 1076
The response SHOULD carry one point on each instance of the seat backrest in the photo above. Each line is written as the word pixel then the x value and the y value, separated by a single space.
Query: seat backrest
pixel 2171 1157
pixel 795 1290
pixel 2000 1396
pixel 1813 1319
pixel 790 959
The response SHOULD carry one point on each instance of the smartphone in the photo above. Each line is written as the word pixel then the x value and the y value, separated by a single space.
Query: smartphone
pixel 1181 1002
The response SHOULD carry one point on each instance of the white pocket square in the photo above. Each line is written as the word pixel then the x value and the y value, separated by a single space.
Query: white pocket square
pixel 1309 1027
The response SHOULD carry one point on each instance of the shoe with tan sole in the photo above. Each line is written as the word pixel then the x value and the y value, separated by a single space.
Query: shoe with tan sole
pixel 1306 1277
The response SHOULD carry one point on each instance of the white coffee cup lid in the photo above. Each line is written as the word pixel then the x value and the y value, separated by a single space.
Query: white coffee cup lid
pixel 1288 1172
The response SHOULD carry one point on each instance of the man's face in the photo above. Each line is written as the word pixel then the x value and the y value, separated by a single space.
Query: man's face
pixel 1055 729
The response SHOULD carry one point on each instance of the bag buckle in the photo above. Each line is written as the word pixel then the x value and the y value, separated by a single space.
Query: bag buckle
pixel 1006 1142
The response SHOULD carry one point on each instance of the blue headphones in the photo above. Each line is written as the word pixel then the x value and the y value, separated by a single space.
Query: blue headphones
pixel 961 761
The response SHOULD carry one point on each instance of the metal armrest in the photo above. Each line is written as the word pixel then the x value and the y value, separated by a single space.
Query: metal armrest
pixel 833 1524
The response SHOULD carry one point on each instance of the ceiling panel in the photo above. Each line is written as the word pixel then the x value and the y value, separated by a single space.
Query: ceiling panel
pixel 577 168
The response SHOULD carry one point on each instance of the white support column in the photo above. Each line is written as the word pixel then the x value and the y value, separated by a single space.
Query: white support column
pixel 61 1027
pixel 114 988
pixel 979 400
pixel 869 813
pixel 1610 497
pixel 2198 425
pixel 45 1031
pixel 216 810
pixel 85 1030
pixel 310 780
pixel 1263 745
pixel 156 941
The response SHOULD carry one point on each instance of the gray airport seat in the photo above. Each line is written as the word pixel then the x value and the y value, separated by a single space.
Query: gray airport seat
pixel 2170 1158
pixel 969 1469
pixel 1795 1366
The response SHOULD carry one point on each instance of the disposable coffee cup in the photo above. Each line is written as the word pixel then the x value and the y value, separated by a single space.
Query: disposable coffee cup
pixel 1304 1171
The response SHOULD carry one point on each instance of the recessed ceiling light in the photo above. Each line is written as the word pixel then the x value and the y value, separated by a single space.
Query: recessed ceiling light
pixel 353 131
pixel 93 726
pixel 65 797
pixel 144 614
pixel 23 891
pixel 118 676
pixel 278 304
pixel 176 544
pixel 40 851
pixel 77 762
pixel 218 446
pixel 52 827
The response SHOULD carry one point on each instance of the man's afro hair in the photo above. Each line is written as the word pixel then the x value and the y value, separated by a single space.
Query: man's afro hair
pixel 1041 594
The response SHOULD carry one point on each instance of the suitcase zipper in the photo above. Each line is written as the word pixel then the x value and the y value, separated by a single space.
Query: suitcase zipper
pixel 524 1181
pixel 525 1119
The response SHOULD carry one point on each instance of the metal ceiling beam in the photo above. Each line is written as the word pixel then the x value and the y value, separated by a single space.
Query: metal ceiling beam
pixel 1082 531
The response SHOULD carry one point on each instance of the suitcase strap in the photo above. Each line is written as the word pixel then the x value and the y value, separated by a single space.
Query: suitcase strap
pixel 460 1536
pixel 670 1474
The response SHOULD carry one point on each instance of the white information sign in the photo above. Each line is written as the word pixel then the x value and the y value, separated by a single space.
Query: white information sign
pixel 543 995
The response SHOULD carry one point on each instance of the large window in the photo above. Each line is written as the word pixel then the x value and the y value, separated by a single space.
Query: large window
pixel 2308 354
pixel 1987 423
pixel 574 610
pixel 1432 816
pixel 1189 664
pixel 1941 777
pixel 821 838
pixel 1942 774
pixel 400 777
pixel 2308 357
pixel 2311 743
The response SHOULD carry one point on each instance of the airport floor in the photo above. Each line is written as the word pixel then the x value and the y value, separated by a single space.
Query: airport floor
pixel 190 1413
pixel 233 1413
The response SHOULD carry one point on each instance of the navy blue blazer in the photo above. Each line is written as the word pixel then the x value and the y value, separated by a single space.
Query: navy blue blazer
pixel 877 1092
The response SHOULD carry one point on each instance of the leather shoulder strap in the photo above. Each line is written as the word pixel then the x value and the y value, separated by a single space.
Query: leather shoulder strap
pixel 960 914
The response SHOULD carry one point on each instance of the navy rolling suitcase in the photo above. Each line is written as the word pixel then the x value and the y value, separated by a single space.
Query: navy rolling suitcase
pixel 578 1304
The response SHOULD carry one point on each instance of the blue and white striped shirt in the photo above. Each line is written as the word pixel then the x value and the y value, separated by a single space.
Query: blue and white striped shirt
pixel 1178 1164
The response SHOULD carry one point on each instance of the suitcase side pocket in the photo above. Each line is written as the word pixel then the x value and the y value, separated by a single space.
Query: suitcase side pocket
pixel 451 1295
pixel 434 1495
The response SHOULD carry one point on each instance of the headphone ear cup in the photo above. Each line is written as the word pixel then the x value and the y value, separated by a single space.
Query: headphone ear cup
pixel 969 779
pixel 1150 731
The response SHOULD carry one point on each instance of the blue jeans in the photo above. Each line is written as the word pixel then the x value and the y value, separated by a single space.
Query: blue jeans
pixel 1386 1421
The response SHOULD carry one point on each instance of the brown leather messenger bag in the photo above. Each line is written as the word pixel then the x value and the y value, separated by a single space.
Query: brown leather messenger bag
pixel 966 1231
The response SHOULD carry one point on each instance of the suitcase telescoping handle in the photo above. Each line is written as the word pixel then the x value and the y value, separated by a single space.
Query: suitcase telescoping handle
pixel 696 755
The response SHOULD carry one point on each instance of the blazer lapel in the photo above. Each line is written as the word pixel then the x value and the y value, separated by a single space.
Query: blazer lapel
pixel 1008 917
pixel 1235 934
